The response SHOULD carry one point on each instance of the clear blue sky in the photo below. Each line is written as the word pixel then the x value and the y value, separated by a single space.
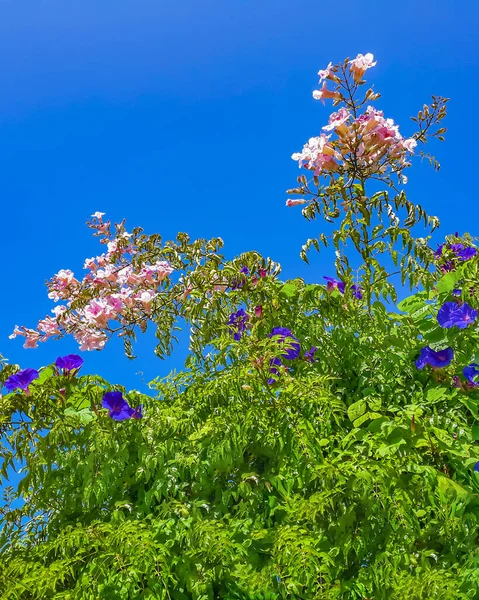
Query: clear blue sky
pixel 182 116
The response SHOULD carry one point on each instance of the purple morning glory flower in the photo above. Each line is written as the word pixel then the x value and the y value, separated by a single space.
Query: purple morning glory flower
pixel 244 270
pixel 273 363
pixel 439 250
pixel 456 292
pixel 138 412
pixel 451 314
pixel 119 408
pixel 428 356
pixel 357 292
pixel 470 373
pixel 334 284
pixel 21 380
pixel 476 467
pixel 238 321
pixel 466 253
pixel 283 333
pixel 456 247
pixel 309 355
pixel 69 363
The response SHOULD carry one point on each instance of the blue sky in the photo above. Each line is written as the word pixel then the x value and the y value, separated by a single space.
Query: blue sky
pixel 182 116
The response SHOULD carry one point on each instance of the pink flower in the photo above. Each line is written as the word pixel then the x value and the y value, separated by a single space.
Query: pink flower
pixel 90 264
pixel 112 246
pixel 324 93
pixel 146 299
pixel 337 119
pixel 99 312
pixel 318 155
pixel 409 144
pixel 90 339
pixel 291 202
pixel 361 64
pixel 325 73
pixel 31 342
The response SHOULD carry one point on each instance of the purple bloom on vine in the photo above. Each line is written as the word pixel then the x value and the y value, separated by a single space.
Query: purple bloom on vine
pixel 438 252
pixel 466 253
pixel 237 322
pixel 309 354
pixel 446 267
pixel 119 408
pixel 21 380
pixel 284 337
pixel 456 292
pixel 357 292
pixel 138 412
pixel 334 284
pixel 450 315
pixel 470 373
pixel 69 363
pixel 428 356
pixel 244 270
pixel 456 247
pixel 273 363
pixel 476 467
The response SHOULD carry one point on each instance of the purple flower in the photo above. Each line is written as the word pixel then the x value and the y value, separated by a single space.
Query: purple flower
pixel 237 321
pixel 357 292
pixel 138 412
pixel 273 363
pixel 21 380
pixel 119 408
pixel 466 253
pixel 456 247
pixel 283 334
pixel 68 363
pixel 244 270
pixel 439 250
pixel 258 311
pixel 456 292
pixel 450 315
pixel 446 267
pixel 309 355
pixel 476 467
pixel 334 284
pixel 428 356
pixel 470 373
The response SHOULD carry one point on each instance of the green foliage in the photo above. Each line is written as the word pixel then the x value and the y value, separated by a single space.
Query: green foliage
pixel 347 477
pixel 350 478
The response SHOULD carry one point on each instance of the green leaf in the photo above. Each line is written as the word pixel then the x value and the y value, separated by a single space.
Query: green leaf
pixel 370 416
pixel 356 410
pixel 436 393
pixel 79 417
pixel 44 374
pixel 289 290
pixel 411 303
pixel 449 280
pixel 475 432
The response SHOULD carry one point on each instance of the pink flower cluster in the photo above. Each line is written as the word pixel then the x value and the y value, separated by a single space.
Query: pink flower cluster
pixel 116 292
pixel 368 142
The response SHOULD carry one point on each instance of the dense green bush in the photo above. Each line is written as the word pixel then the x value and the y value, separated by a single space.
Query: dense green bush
pixel 266 469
